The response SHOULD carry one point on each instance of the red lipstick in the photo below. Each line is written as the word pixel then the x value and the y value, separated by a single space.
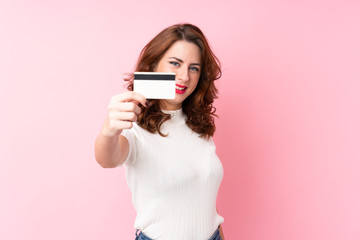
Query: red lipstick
pixel 180 89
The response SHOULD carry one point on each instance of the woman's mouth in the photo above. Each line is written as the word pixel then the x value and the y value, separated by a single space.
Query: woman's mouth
pixel 180 89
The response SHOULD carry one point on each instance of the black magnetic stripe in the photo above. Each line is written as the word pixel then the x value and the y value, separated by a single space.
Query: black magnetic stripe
pixel 169 77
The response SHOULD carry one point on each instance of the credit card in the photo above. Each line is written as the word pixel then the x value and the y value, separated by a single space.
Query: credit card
pixel 155 85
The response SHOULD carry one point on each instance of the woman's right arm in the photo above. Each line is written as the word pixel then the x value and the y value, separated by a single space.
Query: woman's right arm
pixel 111 148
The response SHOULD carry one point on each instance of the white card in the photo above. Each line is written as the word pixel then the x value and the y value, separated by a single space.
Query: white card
pixel 155 85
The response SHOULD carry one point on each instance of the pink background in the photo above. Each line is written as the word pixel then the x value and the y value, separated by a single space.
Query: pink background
pixel 288 133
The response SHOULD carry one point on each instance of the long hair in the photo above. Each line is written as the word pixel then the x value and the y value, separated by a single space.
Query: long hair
pixel 198 107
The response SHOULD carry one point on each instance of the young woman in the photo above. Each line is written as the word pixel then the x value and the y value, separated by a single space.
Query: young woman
pixel 166 145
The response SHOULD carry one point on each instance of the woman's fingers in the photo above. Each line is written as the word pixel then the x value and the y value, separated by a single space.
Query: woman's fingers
pixel 113 127
pixel 123 116
pixel 125 107
pixel 117 125
pixel 122 111
pixel 130 97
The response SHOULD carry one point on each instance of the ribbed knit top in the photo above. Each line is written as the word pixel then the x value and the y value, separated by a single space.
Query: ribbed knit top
pixel 174 181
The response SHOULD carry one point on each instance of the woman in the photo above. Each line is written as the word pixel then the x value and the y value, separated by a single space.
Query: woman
pixel 166 145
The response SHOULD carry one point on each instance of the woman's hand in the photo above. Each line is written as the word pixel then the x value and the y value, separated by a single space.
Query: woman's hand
pixel 122 111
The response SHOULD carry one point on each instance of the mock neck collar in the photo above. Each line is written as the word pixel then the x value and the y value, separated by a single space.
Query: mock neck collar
pixel 176 115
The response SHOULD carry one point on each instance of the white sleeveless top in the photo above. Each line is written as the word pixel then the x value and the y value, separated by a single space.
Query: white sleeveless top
pixel 174 181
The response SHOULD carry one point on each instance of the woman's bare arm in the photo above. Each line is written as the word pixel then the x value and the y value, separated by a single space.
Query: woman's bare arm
pixel 220 229
pixel 221 233
pixel 111 148
pixel 111 151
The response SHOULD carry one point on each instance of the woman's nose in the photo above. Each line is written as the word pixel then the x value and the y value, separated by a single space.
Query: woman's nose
pixel 183 74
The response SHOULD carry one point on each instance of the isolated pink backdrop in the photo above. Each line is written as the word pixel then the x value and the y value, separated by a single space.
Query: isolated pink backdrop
pixel 288 132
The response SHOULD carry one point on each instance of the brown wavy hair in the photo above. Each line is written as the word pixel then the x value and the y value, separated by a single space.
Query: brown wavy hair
pixel 198 107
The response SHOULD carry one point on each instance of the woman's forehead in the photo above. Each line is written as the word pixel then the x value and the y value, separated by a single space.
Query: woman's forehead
pixel 184 50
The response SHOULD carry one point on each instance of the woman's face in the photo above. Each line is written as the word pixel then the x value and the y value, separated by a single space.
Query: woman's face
pixel 184 59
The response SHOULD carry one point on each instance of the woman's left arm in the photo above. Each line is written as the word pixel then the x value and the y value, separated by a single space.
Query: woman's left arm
pixel 221 233
pixel 220 229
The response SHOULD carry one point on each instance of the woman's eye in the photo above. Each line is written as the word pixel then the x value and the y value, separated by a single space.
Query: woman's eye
pixel 174 63
pixel 194 69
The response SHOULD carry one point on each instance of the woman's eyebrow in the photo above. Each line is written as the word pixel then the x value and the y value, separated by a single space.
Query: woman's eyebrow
pixel 178 59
